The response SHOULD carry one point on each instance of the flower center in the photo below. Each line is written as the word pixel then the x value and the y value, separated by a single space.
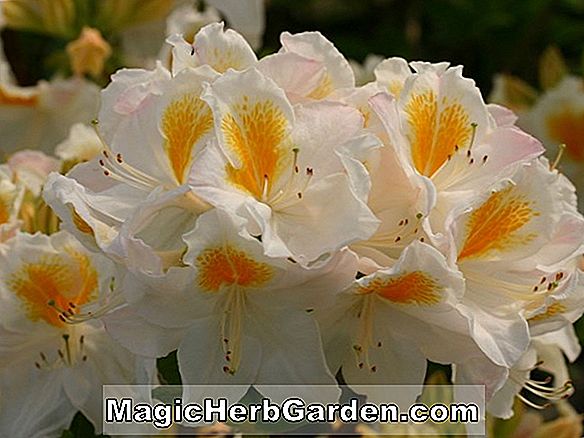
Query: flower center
pixel 55 283
pixel 259 137
pixel 227 268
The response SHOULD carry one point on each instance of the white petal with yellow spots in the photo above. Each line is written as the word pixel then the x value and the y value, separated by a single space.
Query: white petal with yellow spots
pixel 239 317
pixel 448 134
pixel 47 283
pixel 379 330
pixel 281 167
pixel 517 246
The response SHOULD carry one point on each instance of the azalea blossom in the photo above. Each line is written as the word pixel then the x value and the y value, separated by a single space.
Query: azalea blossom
pixel 545 353
pixel 47 365
pixel 214 46
pixel 276 165
pixel 517 245
pixel 32 168
pixel 448 134
pixel 557 118
pixel 82 144
pixel 40 116
pixel 378 330
pixel 114 200
pixel 237 316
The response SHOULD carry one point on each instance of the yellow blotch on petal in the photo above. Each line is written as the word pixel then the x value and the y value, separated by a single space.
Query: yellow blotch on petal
pixel 412 288
pixel 395 88
pixel 568 128
pixel 435 130
pixel 256 133
pixel 323 89
pixel 54 283
pixel 228 266
pixel 553 309
pixel 221 60
pixel 8 98
pixel 185 121
pixel 495 225
pixel 80 223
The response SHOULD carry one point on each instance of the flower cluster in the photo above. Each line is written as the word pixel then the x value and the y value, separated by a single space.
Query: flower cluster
pixel 276 224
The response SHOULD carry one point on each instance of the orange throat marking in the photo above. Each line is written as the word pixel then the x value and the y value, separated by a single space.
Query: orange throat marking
pixel 412 288
pixel 436 129
pixel 4 211
pixel 495 225
pixel 257 137
pixel 54 283
pixel 185 121
pixel 227 266
pixel 7 98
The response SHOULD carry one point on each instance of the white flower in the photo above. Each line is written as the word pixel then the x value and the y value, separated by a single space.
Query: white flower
pixel 448 134
pixel 39 117
pixel 308 67
pixel 387 324
pixel 82 144
pixel 11 193
pixel 236 316
pixel 517 246
pixel 545 353
pixel 213 46
pixel 558 118
pixel 152 127
pixel 280 166
pixel 48 367
pixel 32 168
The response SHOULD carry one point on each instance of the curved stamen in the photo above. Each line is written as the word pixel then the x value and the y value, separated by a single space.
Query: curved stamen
pixel 365 340
pixel 231 329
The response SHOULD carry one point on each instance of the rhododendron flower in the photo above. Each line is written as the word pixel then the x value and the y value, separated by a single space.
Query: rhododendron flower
pixel 236 316
pixel 319 69
pixel 213 46
pixel 113 201
pixel 48 366
pixel 516 245
pixel 281 167
pixel 557 118
pixel 379 329
pixel 446 131
pixel 32 168
pixel 82 144
pixel 545 353
pixel 39 117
